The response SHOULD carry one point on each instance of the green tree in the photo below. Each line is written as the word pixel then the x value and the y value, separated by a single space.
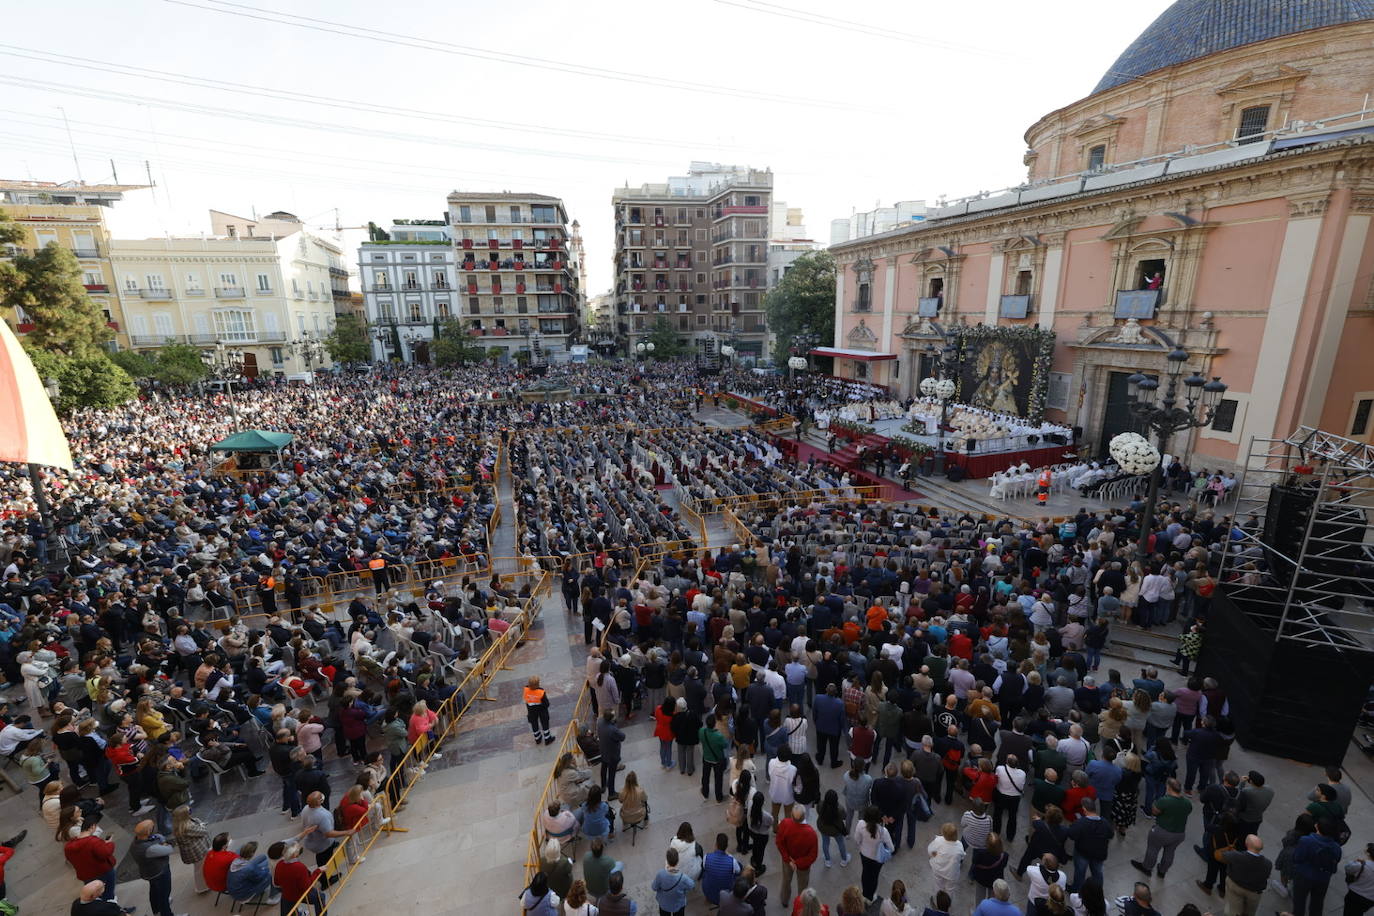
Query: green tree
pixel 664 337
pixel 47 285
pixel 86 381
pixel 349 341
pixel 179 364
pixel 454 346
pixel 70 333
pixel 803 298
pixel 138 365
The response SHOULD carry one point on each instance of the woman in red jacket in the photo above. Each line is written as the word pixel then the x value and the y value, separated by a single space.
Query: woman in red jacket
pixel 294 878
pixel 93 857
pixel 663 731
pixel 353 809
pixel 982 780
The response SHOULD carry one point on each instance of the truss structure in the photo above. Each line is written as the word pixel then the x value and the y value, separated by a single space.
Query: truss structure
pixel 1300 561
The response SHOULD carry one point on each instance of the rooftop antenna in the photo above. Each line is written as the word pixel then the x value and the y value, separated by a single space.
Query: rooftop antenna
pixel 71 143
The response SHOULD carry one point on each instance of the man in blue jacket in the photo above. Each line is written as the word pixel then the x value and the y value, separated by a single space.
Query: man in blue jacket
pixel 1315 860
pixel 828 711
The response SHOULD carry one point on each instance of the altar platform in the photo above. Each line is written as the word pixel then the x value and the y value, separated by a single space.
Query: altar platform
pixel 990 455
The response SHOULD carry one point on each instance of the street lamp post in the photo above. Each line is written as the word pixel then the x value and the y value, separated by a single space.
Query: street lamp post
pixel 307 349
pixel 942 389
pixel 1166 418
pixel 226 365
pixel 802 344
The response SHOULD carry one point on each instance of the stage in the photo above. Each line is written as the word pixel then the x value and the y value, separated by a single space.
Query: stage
pixel 990 456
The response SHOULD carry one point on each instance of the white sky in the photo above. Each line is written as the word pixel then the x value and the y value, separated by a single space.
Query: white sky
pixel 895 100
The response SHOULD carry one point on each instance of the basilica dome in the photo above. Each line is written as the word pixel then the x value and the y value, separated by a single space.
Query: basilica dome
pixel 1196 28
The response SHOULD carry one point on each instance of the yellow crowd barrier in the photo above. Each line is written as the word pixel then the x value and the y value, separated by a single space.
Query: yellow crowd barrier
pixel 350 855
pixel 566 744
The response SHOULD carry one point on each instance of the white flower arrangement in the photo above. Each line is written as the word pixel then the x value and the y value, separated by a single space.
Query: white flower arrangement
pixel 797 362
pixel 1134 453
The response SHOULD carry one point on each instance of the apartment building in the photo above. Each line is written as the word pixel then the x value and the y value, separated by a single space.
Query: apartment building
pixel 516 278
pixel 70 214
pixel 695 250
pixel 270 298
pixel 410 286
pixel 881 219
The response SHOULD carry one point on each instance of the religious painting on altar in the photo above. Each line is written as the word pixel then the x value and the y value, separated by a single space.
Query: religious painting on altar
pixel 1005 369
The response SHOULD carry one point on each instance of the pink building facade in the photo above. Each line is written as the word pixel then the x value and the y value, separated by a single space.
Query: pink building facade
pixel 1253 252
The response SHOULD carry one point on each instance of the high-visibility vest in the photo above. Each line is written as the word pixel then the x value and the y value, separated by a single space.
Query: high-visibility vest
pixel 534 696
pixel 376 563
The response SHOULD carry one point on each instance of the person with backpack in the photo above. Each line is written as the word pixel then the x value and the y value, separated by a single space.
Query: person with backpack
pixel 1315 859
pixel 951 751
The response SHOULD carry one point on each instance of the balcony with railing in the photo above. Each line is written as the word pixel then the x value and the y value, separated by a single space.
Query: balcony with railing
pixel 1014 306
pixel 155 340
pixel 86 252
pixel 750 210
pixel 97 287
pixel 155 292
pixel 1138 303
pixel 229 292
pixel 193 293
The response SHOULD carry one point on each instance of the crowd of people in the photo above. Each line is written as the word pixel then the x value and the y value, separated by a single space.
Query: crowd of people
pixel 162 633
pixel 166 632
pixel 863 680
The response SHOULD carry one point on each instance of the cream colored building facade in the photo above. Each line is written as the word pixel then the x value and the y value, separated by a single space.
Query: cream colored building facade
pixel 71 215
pixel 260 296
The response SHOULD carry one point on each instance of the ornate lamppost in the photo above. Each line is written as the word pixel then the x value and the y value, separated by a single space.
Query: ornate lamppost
pixel 941 387
pixel 225 364
pixel 802 344
pixel 307 349
pixel 1168 416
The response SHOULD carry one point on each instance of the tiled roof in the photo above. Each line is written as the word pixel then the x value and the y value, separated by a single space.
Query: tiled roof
pixel 1196 28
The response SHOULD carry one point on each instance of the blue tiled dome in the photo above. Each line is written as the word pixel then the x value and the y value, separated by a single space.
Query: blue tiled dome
pixel 1195 28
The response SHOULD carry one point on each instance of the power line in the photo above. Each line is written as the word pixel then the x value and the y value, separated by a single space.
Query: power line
pixel 120 133
pixel 246 11
pixel 65 60
pixel 264 118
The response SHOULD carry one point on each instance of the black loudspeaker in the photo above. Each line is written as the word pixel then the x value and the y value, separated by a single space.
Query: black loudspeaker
pixel 1078 434
pixel 1337 532
pixel 1272 706
pixel 970 445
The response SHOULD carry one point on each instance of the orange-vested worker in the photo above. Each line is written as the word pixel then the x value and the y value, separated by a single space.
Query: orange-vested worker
pixel 537 711
pixel 1042 494
pixel 381 578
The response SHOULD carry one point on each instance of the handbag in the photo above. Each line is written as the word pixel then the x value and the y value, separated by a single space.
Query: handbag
pixel 884 853
pixel 734 812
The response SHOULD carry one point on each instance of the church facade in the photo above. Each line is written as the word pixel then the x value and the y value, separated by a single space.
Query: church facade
pixel 1216 196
